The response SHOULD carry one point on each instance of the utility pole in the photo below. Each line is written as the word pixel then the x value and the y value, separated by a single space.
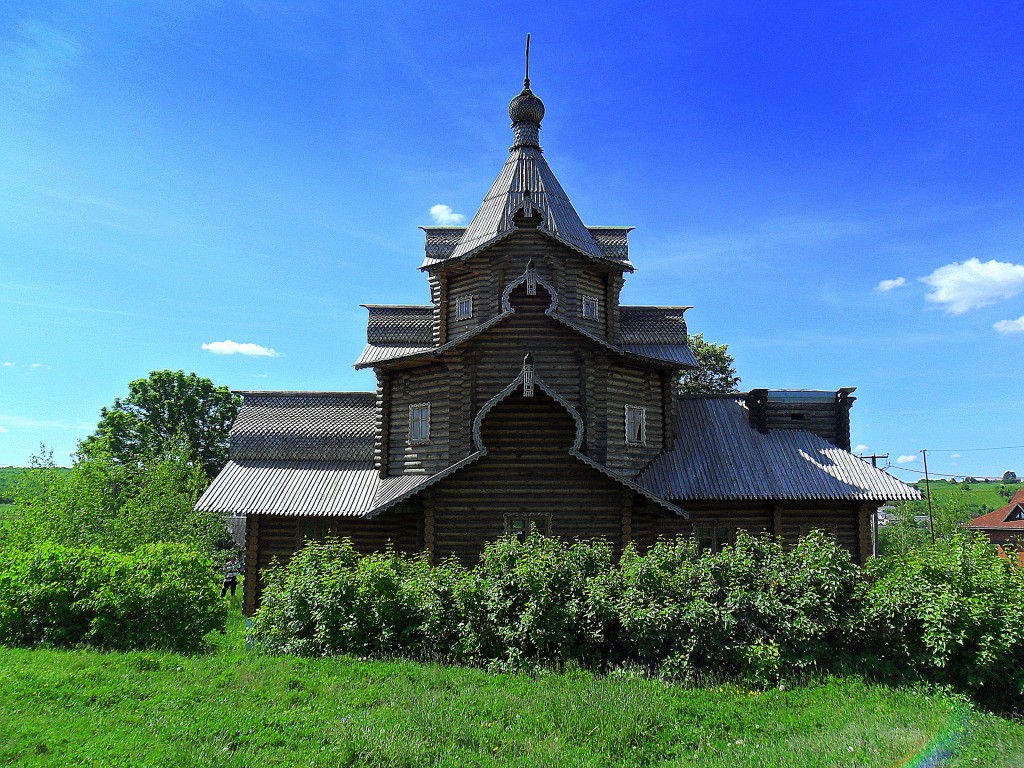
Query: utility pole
pixel 928 494
pixel 874 518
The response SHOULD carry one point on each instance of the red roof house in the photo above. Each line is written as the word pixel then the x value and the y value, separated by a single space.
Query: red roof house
pixel 1006 524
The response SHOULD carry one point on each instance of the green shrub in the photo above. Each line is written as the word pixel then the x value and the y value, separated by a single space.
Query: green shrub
pixel 756 612
pixel 160 596
pixel 952 613
pixel 542 600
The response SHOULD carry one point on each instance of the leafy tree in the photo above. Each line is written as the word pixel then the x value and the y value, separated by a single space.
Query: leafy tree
pixel 103 502
pixel 715 372
pixel 167 412
pixel 1009 476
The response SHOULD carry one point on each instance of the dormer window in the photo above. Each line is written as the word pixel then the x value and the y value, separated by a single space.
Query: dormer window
pixel 419 423
pixel 636 425
pixel 591 308
pixel 463 307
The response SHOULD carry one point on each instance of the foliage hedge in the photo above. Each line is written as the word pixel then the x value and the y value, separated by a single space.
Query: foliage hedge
pixel 158 596
pixel 756 612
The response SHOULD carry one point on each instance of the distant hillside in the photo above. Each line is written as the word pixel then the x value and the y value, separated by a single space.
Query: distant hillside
pixel 983 496
pixel 9 479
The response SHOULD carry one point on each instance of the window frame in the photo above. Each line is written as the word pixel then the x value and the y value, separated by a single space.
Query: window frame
pixel 717 536
pixel 530 522
pixel 419 415
pixel 640 412
pixel 459 314
pixel 596 302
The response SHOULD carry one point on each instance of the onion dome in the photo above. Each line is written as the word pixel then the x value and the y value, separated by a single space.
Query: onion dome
pixel 526 111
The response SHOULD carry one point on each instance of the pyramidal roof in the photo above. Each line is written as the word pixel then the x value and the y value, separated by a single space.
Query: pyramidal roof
pixel 526 184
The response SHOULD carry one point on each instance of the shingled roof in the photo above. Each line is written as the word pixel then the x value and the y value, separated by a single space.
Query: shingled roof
pixel 396 330
pixel 718 455
pixel 440 243
pixel 1010 517
pixel 297 453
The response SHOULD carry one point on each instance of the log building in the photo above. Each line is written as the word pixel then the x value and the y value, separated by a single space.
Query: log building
pixel 526 398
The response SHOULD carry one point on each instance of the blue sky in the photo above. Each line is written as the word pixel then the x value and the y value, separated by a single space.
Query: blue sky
pixel 181 174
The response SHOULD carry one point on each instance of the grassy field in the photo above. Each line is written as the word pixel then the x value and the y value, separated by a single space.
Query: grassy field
pixel 236 708
pixel 978 495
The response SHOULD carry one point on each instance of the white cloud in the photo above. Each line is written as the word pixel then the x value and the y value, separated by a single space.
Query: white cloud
pixel 444 216
pixel 1003 326
pixel 955 456
pixel 229 347
pixel 36 365
pixel 887 285
pixel 2 429
pixel 973 284
pixel 259 375
pixel 8 365
pixel 860 448
pixel 906 459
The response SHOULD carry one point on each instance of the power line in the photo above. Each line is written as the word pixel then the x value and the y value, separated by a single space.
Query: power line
pixel 940 474
pixel 968 450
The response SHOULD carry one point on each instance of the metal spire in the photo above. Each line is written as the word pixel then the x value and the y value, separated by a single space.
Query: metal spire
pixel 526 80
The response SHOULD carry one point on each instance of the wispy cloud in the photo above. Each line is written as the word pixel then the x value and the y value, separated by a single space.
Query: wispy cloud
pixel 444 216
pixel 36 365
pixel 259 375
pixel 888 285
pixel 910 459
pixel 22 422
pixel 36 62
pixel 768 234
pixel 229 347
pixel 8 365
pixel 955 456
pixel 974 284
pixel 66 308
pixel 3 429
pixel 1003 326
pixel 860 448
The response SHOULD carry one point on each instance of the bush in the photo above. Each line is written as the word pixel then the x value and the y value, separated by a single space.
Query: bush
pixel 755 612
pixel 952 613
pixel 542 600
pixel 160 596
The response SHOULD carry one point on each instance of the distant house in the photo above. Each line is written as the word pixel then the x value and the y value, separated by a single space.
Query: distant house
pixel 1005 526
pixel 526 398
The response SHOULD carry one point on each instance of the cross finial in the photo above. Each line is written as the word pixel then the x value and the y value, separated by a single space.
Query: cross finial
pixel 526 80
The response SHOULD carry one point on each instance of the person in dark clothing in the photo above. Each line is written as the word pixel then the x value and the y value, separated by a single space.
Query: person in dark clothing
pixel 230 578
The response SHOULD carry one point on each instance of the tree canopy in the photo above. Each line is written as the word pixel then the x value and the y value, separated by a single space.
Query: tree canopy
pixel 715 373
pixel 168 412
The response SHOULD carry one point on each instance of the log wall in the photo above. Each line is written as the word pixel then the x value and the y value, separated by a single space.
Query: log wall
pixel 527 470
pixel 426 384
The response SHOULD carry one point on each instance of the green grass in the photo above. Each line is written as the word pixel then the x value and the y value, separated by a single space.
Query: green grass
pixel 979 495
pixel 237 708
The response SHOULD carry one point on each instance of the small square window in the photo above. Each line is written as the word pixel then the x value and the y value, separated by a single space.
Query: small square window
pixel 419 423
pixel 591 308
pixel 636 425
pixel 712 538
pixel 463 307
pixel 525 525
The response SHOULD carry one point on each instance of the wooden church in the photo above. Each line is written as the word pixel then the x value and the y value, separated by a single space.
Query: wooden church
pixel 525 398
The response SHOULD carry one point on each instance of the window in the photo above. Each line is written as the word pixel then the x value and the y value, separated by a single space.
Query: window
pixel 636 425
pixel 591 308
pixel 315 530
pixel 419 423
pixel 711 538
pixel 463 307
pixel 522 526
